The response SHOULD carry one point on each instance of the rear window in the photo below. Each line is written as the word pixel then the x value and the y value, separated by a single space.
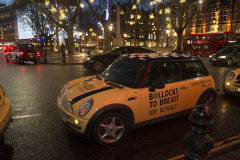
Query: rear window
pixel 27 47
pixel 194 70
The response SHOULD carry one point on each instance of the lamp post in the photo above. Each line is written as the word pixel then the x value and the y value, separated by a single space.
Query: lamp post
pixel 167 31
pixel 111 27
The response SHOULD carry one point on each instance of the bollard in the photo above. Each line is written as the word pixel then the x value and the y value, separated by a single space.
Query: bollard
pixel 198 141
pixel 45 56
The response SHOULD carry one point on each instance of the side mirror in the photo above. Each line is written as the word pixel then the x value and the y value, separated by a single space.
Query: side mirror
pixel 157 84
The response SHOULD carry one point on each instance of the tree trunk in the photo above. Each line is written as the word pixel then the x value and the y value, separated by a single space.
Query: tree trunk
pixel 70 38
pixel 179 42
pixel 107 43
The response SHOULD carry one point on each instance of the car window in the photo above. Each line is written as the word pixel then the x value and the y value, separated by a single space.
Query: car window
pixel 26 47
pixel 117 51
pixel 125 72
pixel 166 72
pixel 194 70
pixel 227 50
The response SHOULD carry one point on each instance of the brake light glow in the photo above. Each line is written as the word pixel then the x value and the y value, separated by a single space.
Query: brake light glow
pixel 38 54
pixel 21 53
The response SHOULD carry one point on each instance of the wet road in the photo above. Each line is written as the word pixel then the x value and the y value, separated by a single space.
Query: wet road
pixel 38 133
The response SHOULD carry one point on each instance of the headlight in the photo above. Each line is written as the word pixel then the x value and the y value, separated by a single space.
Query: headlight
pixel 231 76
pixel 2 90
pixel 85 107
pixel 222 57
pixel 210 56
pixel 64 87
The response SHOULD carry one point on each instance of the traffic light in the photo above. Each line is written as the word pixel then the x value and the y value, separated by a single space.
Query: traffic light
pixel 2 39
pixel 31 40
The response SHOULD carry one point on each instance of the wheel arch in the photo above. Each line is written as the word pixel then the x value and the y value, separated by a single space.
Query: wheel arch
pixel 123 109
pixel 205 92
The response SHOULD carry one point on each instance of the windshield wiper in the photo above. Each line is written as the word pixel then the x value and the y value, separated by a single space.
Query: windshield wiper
pixel 98 77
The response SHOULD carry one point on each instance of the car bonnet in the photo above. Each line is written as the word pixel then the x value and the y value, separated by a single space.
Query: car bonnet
pixel 88 89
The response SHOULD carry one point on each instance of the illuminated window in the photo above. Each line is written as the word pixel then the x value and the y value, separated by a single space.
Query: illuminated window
pixel 160 12
pixel 132 16
pixel 141 44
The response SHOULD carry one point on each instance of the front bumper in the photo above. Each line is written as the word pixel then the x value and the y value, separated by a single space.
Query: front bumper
pixel 231 89
pixel 218 60
pixel 69 121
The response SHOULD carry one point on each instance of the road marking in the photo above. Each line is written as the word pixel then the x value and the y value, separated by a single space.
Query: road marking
pixel 217 146
pixel 26 116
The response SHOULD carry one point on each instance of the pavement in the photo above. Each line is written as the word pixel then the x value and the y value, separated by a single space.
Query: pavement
pixel 53 57
pixel 228 149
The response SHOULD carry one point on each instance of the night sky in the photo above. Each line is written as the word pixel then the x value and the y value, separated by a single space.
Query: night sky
pixel 6 1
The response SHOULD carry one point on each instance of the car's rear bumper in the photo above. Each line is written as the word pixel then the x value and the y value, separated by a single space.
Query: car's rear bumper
pixel 30 59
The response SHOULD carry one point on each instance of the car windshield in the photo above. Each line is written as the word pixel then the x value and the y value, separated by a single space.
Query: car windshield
pixel 125 72
pixel 227 50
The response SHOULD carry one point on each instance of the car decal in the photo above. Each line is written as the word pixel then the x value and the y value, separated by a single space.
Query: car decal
pixel 78 98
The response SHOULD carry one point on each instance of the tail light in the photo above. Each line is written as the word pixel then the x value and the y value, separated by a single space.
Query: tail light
pixel 21 53
pixel 38 54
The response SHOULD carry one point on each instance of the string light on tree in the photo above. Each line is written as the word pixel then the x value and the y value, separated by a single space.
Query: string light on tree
pixel 82 5
pixel 151 16
pixel 91 1
pixel 182 1
pixel 47 2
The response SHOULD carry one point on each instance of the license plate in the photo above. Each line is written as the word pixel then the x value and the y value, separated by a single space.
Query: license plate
pixel 214 59
pixel 62 115
pixel 30 53
pixel 238 89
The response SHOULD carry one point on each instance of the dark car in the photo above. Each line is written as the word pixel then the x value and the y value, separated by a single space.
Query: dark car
pixel 229 56
pixel 100 61
pixel 23 52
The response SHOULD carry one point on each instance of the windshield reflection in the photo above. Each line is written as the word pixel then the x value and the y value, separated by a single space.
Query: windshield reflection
pixel 125 72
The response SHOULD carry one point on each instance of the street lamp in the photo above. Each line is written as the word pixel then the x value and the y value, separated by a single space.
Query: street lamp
pixel 111 27
pixel 167 31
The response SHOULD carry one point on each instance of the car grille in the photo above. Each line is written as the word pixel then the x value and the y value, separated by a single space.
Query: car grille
pixel 66 105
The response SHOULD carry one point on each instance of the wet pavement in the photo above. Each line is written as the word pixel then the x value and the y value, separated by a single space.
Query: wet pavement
pixel 33 90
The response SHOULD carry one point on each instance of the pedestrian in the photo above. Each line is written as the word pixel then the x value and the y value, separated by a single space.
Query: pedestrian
pixel 63 52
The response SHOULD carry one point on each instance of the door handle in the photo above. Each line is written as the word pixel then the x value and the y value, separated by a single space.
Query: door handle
pixel 184 87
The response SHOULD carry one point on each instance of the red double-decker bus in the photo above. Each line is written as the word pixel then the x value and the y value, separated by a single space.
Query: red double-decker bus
pixel 205 44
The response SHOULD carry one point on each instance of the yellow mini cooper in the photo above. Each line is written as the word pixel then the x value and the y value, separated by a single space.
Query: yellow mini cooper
pixel 5 113
pixel 232 83
pixel 135 90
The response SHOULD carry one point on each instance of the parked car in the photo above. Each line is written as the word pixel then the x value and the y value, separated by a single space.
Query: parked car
pixel 229 56
pixel 100 61
pixel 135 90
pixel 232 83
pixel 5 114
pixel 23 52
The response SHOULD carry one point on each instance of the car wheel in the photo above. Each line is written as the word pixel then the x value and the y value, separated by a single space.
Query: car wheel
pixel 18 60
pixel 98 66
pixel 208 100
pixel 110 129
pixel 229 62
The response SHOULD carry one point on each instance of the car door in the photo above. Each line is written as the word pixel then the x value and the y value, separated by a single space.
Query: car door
pixel 236 56
pixel 168 100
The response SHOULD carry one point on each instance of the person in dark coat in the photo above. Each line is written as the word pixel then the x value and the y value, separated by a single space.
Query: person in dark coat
pixel 63 52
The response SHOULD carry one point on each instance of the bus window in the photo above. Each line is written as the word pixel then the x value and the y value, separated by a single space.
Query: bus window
pixel 231 36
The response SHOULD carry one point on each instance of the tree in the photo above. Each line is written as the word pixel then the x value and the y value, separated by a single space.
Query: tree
pixel 95 9
pixel 63 14
pixel 43 28
pixel 179 11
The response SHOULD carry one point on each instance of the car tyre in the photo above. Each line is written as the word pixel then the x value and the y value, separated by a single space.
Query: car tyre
pixel 229 62
pixel 18 60
pixel 110 129
pixel 208 100
pixel 98 66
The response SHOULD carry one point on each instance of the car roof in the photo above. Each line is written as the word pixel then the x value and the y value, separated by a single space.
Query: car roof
pixel 160 57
